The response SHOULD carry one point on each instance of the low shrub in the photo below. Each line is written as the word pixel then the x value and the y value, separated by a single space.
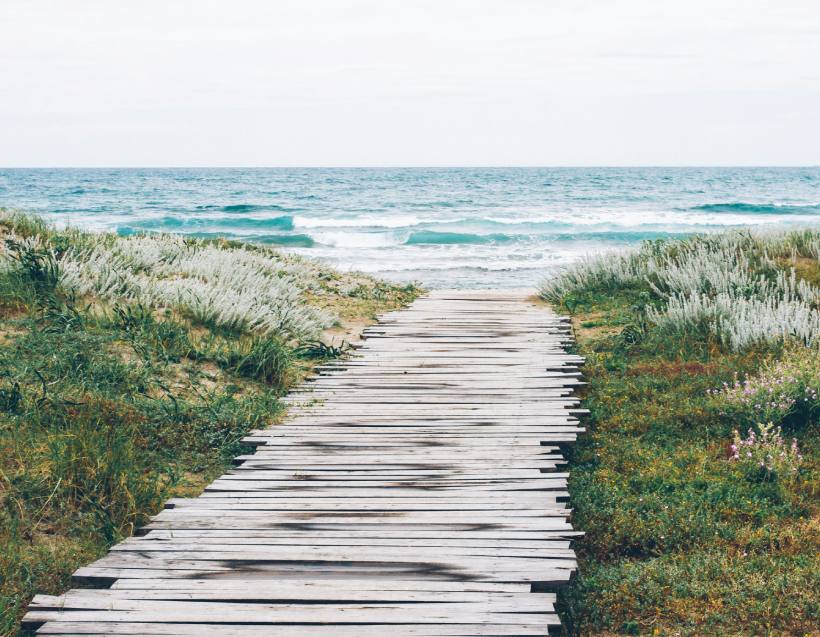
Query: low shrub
pixel 729 286
pixel 765 452
pixel 264 359
pixel 781 389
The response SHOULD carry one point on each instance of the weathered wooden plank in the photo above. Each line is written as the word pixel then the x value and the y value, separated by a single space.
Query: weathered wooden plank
pixel 64 627
pixel 493 528
pixel 333 553
pixel 155 540
pixel 376 504
pixel 482 569
pixel 331 588
pixel 501 519
pixel 372 490
pixel 372 531
pixel 295 595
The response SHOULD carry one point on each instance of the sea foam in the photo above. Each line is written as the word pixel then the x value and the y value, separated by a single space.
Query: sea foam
pixel 449 227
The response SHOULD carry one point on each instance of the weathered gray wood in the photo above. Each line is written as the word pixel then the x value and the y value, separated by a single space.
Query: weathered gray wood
pixel 412 491
pixel 316 630
pixel 331 589
pixel 294 594
pixel 159 540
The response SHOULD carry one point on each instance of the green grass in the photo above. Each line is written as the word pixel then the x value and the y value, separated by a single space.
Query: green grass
pixel 107 409
pixel 681 540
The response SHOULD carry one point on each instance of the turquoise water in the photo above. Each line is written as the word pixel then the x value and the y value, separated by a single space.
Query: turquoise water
pixel 493 227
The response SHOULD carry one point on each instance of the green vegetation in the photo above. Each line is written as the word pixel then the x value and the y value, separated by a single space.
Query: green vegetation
pixel 687 534
pixel 120 389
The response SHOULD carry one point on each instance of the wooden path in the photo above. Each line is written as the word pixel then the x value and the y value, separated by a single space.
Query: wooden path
pixel 414 492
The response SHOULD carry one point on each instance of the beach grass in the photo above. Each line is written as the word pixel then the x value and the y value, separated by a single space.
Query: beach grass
pixel 116 394
pixel 687 534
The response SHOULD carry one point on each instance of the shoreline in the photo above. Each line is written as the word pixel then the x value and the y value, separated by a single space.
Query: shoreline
pixel 498 225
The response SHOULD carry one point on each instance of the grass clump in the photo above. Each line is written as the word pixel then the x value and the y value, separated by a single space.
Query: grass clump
pixel 729 287
pixel 130 370
pixel 684 536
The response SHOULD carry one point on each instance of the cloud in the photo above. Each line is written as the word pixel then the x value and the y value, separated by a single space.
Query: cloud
pixel 401 81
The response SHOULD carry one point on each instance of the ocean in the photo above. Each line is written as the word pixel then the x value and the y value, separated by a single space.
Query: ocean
pixel 444 227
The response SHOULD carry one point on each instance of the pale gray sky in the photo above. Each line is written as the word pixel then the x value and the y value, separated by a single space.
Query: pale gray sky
pixel 409 82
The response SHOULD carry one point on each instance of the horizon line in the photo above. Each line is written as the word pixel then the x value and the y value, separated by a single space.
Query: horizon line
pixel 398 166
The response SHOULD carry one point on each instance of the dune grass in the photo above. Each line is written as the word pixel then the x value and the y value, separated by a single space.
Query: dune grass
pixel 686 534
pixel 116 394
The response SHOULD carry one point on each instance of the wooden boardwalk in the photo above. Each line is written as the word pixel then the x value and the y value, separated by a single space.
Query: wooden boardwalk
pixel 414 492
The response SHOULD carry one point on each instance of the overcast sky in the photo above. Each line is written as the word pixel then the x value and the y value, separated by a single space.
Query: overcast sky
pixel 409 82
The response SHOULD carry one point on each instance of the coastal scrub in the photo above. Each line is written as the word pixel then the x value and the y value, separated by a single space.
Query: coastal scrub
pixel 697 482
pixel 130 370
